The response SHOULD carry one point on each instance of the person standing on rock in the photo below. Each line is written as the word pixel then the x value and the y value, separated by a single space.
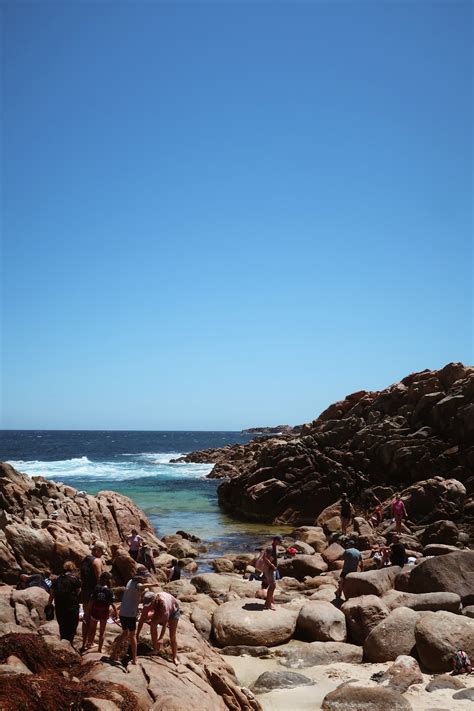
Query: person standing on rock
pixel 265 564
pixel 99 609
pixel 65 592
pixel 91 570
pixel 352 561
pixel 399 512
pixel 134 542
pixel 129 609
pixel 347 513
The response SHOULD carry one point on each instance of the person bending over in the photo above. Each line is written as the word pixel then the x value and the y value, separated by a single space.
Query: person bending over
pixel 164 610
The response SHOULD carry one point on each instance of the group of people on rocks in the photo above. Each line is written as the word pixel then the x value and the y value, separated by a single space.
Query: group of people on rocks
pixel 375 513
pixel 90 586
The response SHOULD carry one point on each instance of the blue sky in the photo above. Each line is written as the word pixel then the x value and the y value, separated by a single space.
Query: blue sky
pixel 224 214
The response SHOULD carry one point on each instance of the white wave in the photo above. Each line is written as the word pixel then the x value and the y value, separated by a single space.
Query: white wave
pixel 149 465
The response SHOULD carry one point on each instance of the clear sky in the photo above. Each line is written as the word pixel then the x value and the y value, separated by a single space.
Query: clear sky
pixel 224 214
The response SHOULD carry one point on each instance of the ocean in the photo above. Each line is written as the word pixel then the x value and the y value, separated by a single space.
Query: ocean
pixel 137 464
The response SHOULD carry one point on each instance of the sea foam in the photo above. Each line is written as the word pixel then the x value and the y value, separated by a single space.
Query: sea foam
pixel 136 466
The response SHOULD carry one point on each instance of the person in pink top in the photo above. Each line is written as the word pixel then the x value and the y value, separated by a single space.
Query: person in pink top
pixel 134 542
pixel 399 512
pixel 164 610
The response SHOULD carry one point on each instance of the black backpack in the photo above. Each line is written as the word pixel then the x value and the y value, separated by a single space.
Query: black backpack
pixel 88 578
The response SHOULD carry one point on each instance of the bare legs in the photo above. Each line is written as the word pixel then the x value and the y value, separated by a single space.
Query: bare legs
pixel 92 631
pixel 270 595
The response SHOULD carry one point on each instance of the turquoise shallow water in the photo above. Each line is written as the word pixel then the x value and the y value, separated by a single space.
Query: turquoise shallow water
pixel 137 464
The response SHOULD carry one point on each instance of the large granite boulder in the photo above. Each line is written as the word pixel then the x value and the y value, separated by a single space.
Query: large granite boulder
pixel 372 582
pixel 248 622
pixel 302 565
pixel 453 572
pixel 301 655
pixel 349 697
pixel 362 615
pixel 320 621
pixel 438 635
pixel 393 636
pixel 213 584
pixel 271 680
pixel 44 524
pixel 423 601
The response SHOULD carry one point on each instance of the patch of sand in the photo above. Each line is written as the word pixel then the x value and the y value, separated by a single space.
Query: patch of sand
pixel 328 677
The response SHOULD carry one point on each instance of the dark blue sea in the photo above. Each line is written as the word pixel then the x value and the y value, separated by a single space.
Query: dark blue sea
pixel 174 496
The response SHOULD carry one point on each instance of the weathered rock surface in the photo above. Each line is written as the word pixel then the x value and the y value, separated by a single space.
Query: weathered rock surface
pixel 302 565
pixel 271 680
pixel 372 582
pixel 393 636
pixel 247 622
pixel 349 697
pixel 451 602
pixel 401 435
pixel 32 541
pixel 320 621
pixel 299 656
pixel 438 635
pixel 453 572
pixel 362 615
pixel 404 672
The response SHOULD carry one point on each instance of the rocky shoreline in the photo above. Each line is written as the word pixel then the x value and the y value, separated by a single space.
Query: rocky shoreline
pixel 398 438
pixel 389 645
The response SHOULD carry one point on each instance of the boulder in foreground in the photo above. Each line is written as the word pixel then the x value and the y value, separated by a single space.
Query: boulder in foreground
pixel 247 622
pixel 438 635
pixel 348 697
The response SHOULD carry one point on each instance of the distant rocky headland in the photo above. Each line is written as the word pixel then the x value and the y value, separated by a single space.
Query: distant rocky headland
pixel 279 429
pixel 403 437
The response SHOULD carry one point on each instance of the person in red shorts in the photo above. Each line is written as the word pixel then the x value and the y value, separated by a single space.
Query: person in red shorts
pixel 101 601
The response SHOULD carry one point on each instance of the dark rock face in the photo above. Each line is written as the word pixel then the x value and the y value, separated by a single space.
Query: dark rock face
pixel 421 429
pixel 268 681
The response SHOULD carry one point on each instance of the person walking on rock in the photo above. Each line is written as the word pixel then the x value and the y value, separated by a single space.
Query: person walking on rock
pixel 134 542
pixel 352 561
pixel 347 513
pixel 129 609
pixel 399 512
pixel 91 570
pixel 65 592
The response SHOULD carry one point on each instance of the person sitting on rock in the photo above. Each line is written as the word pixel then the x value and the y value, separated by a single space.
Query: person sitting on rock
pixel 399 512
pixel 174 571
pixel 352 560
pixel 461 663
pixel 375 518
pixel 347 513
pixel 36 580
pixel 65 592
pixel 91 569
pixel 164 611
pixel 265 564
pixel 398 554
pixel 129 609
pixel 134 542
pixel 99 609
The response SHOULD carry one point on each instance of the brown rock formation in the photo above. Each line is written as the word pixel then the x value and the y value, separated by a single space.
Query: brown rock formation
pixel 419 429
pixel 43 523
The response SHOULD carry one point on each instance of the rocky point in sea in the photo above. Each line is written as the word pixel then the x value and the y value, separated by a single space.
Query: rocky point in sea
pixel 416 435
pixel 388 644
